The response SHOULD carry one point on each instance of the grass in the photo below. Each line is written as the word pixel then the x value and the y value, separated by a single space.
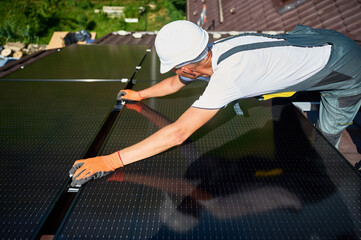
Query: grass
pixel 34 21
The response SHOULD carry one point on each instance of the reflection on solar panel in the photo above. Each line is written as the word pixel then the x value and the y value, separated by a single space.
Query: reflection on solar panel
pixel 267 174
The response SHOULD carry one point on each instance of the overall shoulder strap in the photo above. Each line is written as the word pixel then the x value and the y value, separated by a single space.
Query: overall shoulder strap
pixel 299 37
pixel 252 46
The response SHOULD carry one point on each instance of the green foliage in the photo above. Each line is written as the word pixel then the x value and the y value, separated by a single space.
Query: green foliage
pixel 180 5
pixel 84 4
pixel 42 16
pixel 27 20
pixel 91 25
pixel 8 30
pixel 82 20
pixel 173 13
pixel 122 24
pixel 36 20
pixel 160 18
pixel 131 11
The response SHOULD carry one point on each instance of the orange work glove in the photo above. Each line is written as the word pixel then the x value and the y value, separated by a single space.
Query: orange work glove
pixel 130 95
pixel 86 169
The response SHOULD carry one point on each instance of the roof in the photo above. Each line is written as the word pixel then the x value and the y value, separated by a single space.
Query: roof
pixel 259 15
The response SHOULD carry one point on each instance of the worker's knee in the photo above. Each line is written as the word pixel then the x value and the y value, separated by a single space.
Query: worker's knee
pixel 337 111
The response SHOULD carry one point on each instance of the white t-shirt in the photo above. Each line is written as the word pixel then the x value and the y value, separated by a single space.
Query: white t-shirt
pixel 257 72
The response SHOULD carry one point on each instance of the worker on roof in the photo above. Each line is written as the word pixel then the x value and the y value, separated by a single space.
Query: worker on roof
pixel 242 66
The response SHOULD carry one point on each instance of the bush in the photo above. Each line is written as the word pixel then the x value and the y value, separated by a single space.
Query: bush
pixel 29 20
pixel 91 25
pixel 131 11
pixel 84 4
pixel 180 5
pixel 173 13
pixel 82 21
pixel 35 20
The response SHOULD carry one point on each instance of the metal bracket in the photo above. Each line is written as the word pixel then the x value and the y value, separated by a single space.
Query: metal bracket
pixel 74 189
pixel 237 108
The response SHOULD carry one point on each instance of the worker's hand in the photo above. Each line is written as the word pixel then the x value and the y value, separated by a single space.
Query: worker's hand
pixel 130 95
pixel 86 169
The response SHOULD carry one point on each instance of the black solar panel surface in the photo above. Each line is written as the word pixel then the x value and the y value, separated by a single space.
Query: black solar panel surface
pixel 267 174
pixel 150 68
pixel 44 127
pixel 85 62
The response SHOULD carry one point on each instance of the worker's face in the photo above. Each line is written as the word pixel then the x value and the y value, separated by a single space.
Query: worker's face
pixel 188 72
pixel 195 70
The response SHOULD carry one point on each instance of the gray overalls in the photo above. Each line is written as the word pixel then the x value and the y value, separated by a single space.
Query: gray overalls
pixel 339 81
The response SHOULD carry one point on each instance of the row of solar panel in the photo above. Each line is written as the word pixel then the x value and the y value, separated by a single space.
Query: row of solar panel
pixel 48 120
pixel 266 174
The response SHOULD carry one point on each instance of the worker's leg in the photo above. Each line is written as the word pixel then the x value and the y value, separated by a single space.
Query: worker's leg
pixel 337 111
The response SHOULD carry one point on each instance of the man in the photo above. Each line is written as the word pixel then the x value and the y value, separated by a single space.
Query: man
pixel 243 66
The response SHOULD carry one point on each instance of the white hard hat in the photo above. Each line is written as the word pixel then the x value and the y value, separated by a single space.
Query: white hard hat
pixel 179 42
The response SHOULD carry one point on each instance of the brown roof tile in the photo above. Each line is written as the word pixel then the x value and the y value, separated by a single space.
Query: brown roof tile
pixel 321 4
pixel 260 15
pixel 343 6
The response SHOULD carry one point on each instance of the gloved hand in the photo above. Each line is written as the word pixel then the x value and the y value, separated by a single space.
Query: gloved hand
pixel 130 95
pixel 86 169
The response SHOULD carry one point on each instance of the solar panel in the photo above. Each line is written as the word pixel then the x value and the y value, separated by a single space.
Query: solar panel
pixel 84 62
pixel 150 68
pixel 266 174
pixel 44 127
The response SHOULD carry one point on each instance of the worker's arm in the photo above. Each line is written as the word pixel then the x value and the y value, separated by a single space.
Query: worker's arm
pixel 172 135
pixel 169 136
pixel 167 86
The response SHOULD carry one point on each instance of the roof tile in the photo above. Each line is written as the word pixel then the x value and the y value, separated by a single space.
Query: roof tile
pixel 334 22
pixel 260 15
pixel 321 4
